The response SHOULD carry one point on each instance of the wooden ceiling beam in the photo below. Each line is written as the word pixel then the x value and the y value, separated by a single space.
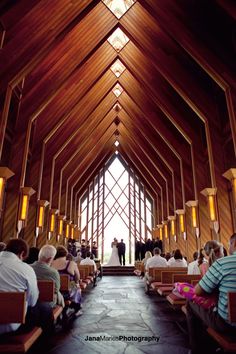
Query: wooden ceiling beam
pixel 143 144
pixel 222 73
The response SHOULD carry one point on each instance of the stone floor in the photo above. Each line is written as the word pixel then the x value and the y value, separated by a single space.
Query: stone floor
pixel 120 319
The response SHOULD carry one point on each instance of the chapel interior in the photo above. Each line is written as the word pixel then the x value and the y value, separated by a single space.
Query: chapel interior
pixel 148 83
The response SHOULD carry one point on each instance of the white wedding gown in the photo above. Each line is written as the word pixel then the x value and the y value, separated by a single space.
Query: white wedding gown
pixel 114 259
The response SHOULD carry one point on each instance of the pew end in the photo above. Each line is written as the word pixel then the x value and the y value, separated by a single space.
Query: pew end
pixel 12 309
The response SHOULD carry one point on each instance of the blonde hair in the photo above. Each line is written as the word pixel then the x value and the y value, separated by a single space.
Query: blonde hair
pixel 214 250
pixel 148 254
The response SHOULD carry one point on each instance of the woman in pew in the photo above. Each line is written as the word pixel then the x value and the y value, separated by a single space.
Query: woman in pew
pixel 220 277
pixel 177 260
pixel 65 266
pixel 209 254
pixel 148 255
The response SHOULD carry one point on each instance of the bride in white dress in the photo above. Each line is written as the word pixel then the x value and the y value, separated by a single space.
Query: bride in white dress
pixel 114 259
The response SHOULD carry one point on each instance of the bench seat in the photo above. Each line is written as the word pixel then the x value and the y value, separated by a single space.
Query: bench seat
pixel 56 311
pixel 175 300
pixel 226 342
pixel 165 290
pixel 19 343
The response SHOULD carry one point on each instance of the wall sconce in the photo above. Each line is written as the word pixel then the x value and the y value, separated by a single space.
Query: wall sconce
pixel 67 229
pixel 61 219
pixel 181 222
pixel 172 226
pixel 42 204
pixel 60 225
pixel 72 231
pixel 231 176
pixel 160 231
pixel 165 225
pixel 210 193
pixel 193 204
pixel 5 174
pixel 26 193
pixel 52 222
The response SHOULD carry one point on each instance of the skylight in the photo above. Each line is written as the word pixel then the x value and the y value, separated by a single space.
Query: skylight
pixel 118 39
pixel 118 68
pixel 118 7
pixel 117 90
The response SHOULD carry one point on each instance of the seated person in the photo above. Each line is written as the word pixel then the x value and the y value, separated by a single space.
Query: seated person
pixel 95 249
pixel 148 255
pixel 155 261
pixel 65 266
pixel 211 251
pixel 44 271
pixel 167 256
pixel 177 260
pixel 193 266
pixel 89 261
pixel 15 275
pixel 220 277
pixel 32 256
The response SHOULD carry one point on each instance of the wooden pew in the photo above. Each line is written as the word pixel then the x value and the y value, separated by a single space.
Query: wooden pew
pixel 226 342
pixel 182 278
pixel 92 274
pixel 163 276
pixel 12 310
pixel 65 283
pixel 155 274
pixel 46 294
pixel 67 315
pixel 99 267
pixel 82 272
pixel 87 273
pixel 138 268
pixel 177 276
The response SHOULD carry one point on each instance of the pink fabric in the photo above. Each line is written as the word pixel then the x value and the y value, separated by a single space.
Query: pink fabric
pixel 204 268
pixel 188 291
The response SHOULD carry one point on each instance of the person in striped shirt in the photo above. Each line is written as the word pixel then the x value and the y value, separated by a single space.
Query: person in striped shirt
pixel 221 278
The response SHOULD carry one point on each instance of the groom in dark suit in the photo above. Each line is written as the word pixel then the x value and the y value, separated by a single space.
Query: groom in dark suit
pixel 121 251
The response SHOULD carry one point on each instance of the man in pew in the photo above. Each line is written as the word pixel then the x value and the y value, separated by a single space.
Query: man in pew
pixel 89 261
pixel 154 262
pixel 220 278
pixel 17 276
pixel 44 271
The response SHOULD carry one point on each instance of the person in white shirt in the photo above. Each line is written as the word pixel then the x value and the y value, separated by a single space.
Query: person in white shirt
pixel 89 261
pixel 193 266
pixel 177 260
pixel 17 276
pixel 155 261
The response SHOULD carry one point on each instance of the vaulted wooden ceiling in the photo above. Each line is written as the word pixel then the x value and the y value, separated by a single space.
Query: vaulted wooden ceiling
pixel 59 117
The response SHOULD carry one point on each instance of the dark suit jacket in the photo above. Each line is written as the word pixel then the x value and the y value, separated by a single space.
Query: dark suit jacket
pixel 121 248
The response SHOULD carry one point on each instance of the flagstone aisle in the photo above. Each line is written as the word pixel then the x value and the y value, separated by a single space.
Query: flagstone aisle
pixel 118 307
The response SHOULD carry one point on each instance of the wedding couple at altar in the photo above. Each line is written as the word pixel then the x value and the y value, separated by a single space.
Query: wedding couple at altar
pixel 117 253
